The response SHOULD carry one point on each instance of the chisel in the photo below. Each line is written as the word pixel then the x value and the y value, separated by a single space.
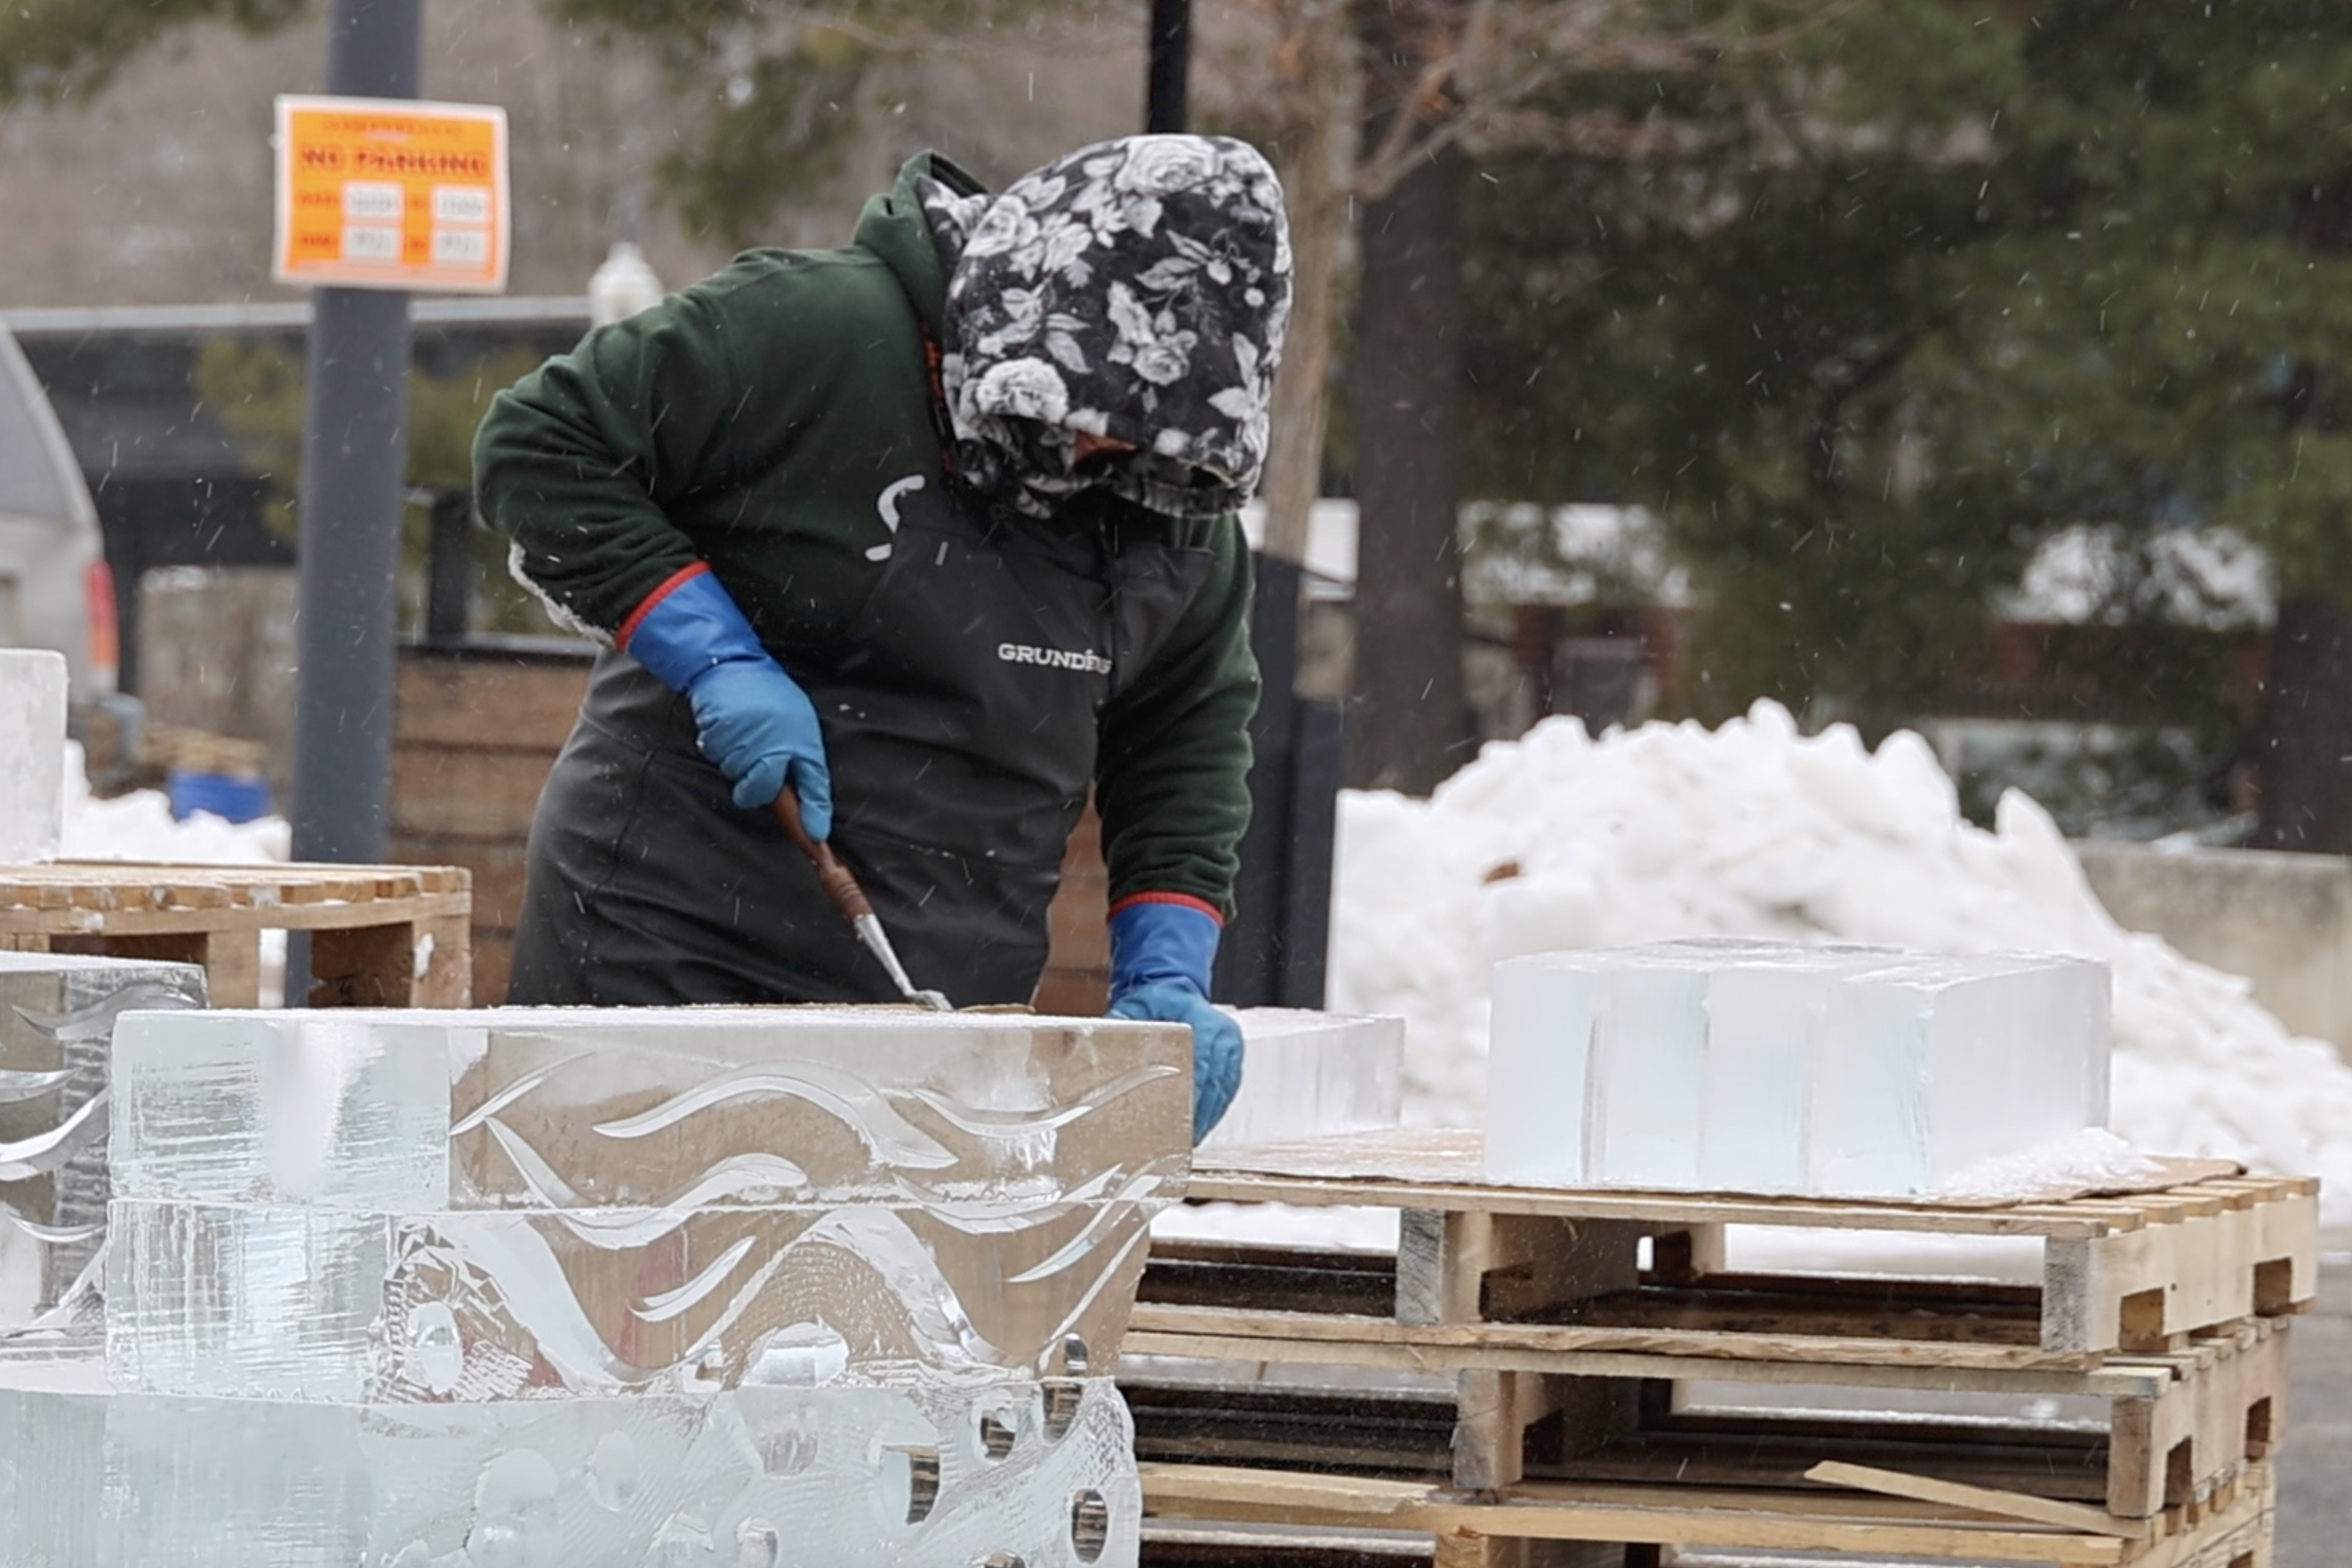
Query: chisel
pixel 840 885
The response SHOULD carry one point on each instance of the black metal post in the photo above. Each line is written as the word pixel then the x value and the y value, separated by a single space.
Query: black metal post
pixel 1171 55
pixel 1274 951
pixel 354 455
pixel 449 568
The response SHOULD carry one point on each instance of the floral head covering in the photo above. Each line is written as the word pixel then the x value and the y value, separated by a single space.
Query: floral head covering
pixel 1136 289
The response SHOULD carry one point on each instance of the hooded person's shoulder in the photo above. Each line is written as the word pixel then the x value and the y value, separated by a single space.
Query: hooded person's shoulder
pixel 772 289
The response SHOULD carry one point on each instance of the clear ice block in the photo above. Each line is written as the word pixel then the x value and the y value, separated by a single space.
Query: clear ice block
pixel 1040 1471
pixel 1928 1066
pixel 32 755
pixel 1757 1067
pixel 1307 1073
pixel 662 1108
pixel 57 1013
pixel 1765 1009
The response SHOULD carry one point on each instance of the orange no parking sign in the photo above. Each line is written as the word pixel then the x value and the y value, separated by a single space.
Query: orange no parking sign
pixel 376 193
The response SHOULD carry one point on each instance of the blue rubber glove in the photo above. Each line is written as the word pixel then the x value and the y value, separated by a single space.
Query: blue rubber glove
pixel 1161 954
pixel 749 717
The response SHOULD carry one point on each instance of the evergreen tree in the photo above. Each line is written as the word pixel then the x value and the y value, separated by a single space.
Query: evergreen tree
pixel 1724 316
pixel 1866 324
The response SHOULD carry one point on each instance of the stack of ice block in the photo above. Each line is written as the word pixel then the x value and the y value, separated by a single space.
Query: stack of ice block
pixel 1309 1073
pixel 563 1287
pixel 57 1012
pixel 1726 1066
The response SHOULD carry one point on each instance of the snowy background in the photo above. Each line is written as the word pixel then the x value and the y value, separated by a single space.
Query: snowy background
pixel 1562 840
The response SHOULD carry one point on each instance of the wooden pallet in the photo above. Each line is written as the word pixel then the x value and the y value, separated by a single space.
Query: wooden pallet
pixel 390 936
pixel 2178 1429
pixel 2141 1272
pixel 1496 1529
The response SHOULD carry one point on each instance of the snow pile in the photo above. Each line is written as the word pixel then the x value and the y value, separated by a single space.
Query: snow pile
pixel 139 827
pixel 1558 840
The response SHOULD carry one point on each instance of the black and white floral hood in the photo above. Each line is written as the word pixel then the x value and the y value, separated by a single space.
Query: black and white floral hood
pixel 1136 290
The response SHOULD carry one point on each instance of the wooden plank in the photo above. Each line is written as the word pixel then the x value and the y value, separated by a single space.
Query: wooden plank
pixel 1279 1330
pixel 466 794
pixel 1217 1183
pixel 1987 1500
pixel 2111 1380
pixel 518 705
pixel 1453 1158
pixel 1633 1514
pixel 443 961
pixel 1473 1549
pixel 1684 1256
pixel 289 916
pixel 1493 1412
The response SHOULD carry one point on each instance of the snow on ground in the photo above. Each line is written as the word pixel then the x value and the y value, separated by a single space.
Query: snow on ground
pixel 139 827
pixel 1559 840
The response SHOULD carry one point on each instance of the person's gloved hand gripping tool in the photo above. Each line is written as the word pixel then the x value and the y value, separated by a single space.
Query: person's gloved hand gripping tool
pixel 1162 946
pixel 757 725
pixel 752 719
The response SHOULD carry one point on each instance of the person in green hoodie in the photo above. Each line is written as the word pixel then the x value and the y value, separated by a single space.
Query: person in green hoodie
pixel 933 533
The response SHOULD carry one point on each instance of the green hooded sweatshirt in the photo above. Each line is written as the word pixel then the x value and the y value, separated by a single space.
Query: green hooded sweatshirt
pixel 756 420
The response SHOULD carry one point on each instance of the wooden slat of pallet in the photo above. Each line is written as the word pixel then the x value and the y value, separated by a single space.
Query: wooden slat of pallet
pixel 1212 1183
pixel 1495 1345
pixel 1727 1518
pixel 1633 1514
pixel 1181 1331
pixel 1985 1500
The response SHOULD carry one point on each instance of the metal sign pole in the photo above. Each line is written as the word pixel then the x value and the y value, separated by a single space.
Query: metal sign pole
pixel 354 458
pixel 1166 80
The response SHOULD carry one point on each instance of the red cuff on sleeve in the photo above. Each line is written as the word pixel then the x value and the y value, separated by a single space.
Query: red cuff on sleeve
pixel 1186 900
pixel 670 585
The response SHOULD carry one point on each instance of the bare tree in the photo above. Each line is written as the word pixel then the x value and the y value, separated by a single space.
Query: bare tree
pixel 1381 102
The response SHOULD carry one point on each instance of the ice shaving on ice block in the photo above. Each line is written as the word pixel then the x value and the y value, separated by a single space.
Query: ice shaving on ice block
pixel 1777 1069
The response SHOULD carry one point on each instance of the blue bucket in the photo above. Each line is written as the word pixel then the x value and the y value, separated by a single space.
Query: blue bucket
pixel 225 795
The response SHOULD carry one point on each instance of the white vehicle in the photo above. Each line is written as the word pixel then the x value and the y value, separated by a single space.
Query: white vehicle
pixel 55 589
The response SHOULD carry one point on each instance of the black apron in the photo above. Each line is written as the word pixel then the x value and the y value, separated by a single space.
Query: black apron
pixel 960 718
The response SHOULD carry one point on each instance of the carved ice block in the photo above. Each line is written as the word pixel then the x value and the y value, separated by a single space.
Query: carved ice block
pixel 1305 1073
pixel 940 1475
pixel 32 755
pixel 306 1302
pixel 57 1012
pixel 660 1108
pixel 1758 1067
pixel 521 1203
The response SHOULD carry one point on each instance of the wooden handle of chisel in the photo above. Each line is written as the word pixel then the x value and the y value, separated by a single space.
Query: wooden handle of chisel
pixel 840 884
